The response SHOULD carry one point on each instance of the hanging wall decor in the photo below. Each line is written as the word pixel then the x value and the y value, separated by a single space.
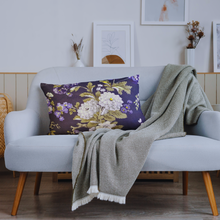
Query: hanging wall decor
pixel 164 12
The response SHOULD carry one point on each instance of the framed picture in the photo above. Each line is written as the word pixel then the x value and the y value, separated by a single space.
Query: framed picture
pixel 164 12
pixel 113 44
pixel 216 46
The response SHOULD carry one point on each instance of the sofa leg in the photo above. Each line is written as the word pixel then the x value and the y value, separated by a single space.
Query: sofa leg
pixel 20 187
pixel 37 183
pixel 185 183
pixel 210 192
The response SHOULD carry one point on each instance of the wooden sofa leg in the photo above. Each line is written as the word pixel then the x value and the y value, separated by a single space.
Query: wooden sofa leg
pixel 20 187
pixel 185 183
pixel 37 183
pixel 210 192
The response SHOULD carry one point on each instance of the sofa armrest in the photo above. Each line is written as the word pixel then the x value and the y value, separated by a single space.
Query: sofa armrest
pixel 208 125
pixel 21 124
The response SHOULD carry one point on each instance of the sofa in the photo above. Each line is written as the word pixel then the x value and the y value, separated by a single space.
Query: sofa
pixel 30 149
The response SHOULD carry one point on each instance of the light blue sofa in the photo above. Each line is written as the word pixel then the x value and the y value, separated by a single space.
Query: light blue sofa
pixel 30 149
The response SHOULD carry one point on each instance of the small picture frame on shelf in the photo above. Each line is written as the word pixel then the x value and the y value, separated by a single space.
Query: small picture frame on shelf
pixel 164 12
pixel 113 44
pixel 216 46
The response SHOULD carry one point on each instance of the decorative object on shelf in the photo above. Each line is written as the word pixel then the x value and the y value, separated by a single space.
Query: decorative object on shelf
pixel 78 63
pixel 113 44
pixel 190 56
pixel 77 48
pixel 164 12
pixel 216 46
pixel 195 33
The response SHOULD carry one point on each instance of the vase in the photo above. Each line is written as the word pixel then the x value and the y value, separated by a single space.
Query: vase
pixel 78 63
pixel 190 56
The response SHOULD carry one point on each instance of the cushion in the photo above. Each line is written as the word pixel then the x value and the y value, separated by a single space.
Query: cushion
pixel 54 154
pixel 87 106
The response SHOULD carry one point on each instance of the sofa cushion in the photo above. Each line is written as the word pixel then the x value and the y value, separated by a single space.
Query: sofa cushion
pixel 84 106
pixel 54 154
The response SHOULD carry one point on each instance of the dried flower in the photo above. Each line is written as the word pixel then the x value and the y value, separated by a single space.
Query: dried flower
pixel 200 34
pixel 77 48
pixel 191 37
pixel 195 33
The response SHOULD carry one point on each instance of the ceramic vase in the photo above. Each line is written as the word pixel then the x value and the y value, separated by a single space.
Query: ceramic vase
pixel 190 56
pixel 79 63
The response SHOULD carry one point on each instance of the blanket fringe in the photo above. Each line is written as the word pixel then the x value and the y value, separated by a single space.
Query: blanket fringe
pixel 93 189
pixel 94 192
pixel 81 202
pixel 111 198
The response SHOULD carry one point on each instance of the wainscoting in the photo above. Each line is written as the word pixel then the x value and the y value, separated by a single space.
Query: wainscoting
pixel 210 82
pixel 17 85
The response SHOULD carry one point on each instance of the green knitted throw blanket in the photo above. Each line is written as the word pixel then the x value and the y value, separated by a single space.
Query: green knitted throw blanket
pixel 107 162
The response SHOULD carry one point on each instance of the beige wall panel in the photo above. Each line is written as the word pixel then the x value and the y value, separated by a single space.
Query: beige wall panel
pixel 218 89
pixel 210 87
pixel 22 90
pixel 201 79
pixel 2 82
pixel 29 81
pixel 10 88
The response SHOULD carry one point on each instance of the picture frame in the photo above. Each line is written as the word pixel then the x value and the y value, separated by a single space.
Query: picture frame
pixel 164 12
pixel 113 44
pixel 216 46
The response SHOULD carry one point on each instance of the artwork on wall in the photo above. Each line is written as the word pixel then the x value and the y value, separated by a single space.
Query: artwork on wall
pixel 216 46
pixel 113 44
pixel 164 12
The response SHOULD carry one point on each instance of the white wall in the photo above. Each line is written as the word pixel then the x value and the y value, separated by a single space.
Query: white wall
pixel 36 34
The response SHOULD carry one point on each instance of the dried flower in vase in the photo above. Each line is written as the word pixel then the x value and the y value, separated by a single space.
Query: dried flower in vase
pixel 77 48
pixel 195 33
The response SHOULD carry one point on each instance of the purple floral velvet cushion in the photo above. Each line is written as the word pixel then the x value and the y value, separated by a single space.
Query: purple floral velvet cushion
pixel 87 106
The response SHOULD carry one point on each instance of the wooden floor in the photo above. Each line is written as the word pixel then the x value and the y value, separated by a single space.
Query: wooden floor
pixel 146 200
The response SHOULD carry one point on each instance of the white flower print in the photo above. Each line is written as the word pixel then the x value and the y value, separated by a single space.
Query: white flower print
pixel 88 109
pixel 49 95
pixel 106 124
pixel 110 101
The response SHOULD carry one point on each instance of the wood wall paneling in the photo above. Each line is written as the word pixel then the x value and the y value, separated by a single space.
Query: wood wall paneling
pixel 21 92
pixel 10 88
pixel 201 79
pixel 2 83
pixel 210 87
pixel 17 85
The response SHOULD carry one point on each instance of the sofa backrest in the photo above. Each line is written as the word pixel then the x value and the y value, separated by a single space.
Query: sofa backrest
pixel 149 79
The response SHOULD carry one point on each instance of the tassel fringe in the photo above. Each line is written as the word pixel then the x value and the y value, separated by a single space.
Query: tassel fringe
pixel 93 189
pixel 111 198
pixel 81 202
pixel 94 192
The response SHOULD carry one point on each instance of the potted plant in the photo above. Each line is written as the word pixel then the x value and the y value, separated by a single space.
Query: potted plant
pixel 77 48
pixel 195 33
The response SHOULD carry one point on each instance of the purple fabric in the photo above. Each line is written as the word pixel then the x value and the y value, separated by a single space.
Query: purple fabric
pixel 85 106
